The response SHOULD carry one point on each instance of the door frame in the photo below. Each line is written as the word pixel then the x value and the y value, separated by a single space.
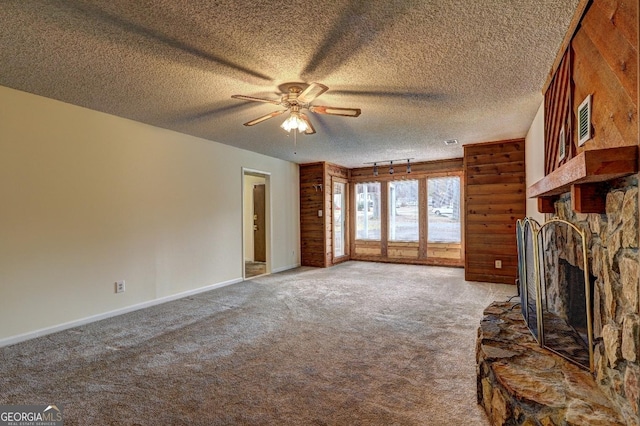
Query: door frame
pixel 346 231
pixel 268 216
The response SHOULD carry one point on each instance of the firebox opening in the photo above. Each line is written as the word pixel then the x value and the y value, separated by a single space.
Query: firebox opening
pixel 565 313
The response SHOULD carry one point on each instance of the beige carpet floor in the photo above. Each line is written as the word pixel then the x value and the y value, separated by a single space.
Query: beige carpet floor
pixel 357 344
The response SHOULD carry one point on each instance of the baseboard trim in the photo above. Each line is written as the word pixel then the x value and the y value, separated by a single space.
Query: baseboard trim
pixel 82 321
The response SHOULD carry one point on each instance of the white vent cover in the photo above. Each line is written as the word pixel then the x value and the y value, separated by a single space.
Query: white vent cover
pixel 562 145
pixel 584 121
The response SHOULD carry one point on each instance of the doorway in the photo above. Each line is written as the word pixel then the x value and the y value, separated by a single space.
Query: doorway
pixel 256 221
pixel 339 225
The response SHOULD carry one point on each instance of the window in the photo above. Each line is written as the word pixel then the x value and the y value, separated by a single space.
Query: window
pixel 368 211
pixel 443 218
pixel 403 211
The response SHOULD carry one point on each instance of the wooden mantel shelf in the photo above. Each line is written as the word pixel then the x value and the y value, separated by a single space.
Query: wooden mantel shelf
pixel 583 176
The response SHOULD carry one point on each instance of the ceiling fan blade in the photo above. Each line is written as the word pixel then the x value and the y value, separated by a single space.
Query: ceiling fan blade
pixel 345 112
pixel 264 117
pixel 252 99
pixel 311 92
pixel 310 130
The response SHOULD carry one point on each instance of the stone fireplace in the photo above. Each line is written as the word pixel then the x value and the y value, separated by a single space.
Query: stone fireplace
pixel 535 377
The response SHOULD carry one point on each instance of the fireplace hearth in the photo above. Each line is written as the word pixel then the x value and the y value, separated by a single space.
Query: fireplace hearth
pixel 521 383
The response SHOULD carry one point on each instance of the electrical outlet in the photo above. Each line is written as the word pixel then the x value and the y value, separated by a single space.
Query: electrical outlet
pixel 120 286
pixel 498 264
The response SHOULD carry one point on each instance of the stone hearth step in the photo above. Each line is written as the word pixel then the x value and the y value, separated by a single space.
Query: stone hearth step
pixel 520 383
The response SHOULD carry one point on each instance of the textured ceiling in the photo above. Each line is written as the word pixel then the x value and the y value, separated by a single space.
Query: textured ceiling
pixel 422 71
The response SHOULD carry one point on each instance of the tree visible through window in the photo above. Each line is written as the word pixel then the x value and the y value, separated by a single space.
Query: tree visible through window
pixel 403 211
pixel 444 209
pixel 368 211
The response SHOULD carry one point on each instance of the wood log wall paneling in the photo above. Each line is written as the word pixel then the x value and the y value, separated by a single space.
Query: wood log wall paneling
pixel 495 189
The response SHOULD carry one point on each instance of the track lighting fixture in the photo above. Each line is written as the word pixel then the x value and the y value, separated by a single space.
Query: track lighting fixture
pixel 391 169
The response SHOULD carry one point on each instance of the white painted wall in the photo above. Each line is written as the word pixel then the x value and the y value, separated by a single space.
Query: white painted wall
pixel 534 160
pixel 88 198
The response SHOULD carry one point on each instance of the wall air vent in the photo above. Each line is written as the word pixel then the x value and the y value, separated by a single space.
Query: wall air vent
pixel 562 145
pixel 584 121
pixel 451 142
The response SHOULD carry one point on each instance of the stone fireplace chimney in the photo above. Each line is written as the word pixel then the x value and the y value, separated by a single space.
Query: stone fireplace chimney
pixel 612 243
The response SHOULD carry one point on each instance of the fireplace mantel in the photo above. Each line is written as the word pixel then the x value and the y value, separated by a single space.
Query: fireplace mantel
pixel 584 176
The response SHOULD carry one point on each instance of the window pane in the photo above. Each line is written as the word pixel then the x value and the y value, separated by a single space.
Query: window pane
pixel 368 211
pixel 403 211
pixel 444 210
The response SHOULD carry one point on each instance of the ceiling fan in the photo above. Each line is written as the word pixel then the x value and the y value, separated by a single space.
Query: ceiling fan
pixel 295 99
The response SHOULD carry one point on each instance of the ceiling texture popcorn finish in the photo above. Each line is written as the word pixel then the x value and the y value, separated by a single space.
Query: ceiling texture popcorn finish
pixel 422 71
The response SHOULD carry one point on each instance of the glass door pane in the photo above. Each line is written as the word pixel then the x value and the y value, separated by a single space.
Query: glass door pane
pixel 339 220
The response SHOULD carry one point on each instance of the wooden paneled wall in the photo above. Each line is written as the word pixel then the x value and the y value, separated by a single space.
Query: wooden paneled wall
pixel 558 125
pixel 602 60
pixel 316 195
pixel 312 227
pixel 605 65
pixel 495 189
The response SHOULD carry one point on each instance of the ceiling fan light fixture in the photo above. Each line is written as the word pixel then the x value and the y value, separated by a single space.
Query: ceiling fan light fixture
pixel 294 122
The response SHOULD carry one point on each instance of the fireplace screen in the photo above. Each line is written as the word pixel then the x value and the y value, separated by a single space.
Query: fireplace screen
pixel 556 292
pixel 525 231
